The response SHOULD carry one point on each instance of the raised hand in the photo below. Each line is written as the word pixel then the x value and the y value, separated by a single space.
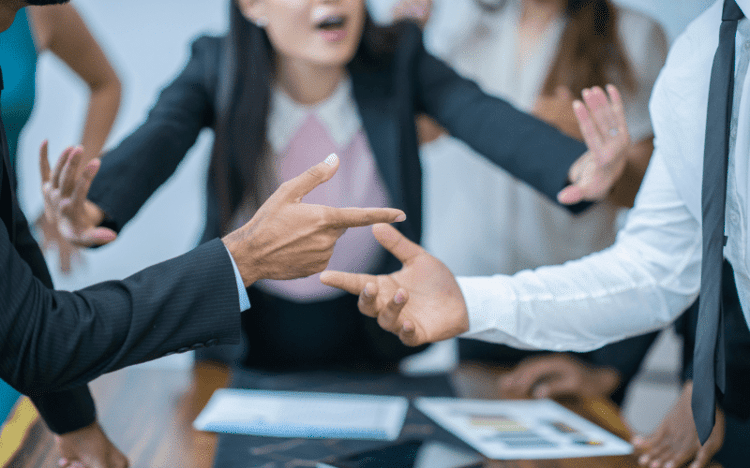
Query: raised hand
pixel 88 448
pixel 65 204
pixel 675 442
pixel 557 375
pixel 601 118
pixel 288 239
pixel 421 303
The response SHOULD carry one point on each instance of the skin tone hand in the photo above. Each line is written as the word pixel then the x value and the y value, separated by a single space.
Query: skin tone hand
pixel 557 375
pixel 675 443
pixel 61 30
pixel 88 448
pixel 601 118
pixel 421 303
pixel 65 204
pixel 288 239
pixel 416 10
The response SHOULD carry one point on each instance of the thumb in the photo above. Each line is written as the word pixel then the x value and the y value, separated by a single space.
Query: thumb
pixel 395 242
pixel 311 178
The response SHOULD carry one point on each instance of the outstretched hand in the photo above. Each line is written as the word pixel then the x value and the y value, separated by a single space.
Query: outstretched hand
pixel 601 118
pixel 421 303
pixel 288 239
pixel 65 204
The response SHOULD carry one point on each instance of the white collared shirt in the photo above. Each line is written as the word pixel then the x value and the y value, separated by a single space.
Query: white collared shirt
pixel 652 272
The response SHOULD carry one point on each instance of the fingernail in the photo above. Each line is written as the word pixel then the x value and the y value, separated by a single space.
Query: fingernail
pixel 368 291
pixel 62 462
pixel 637 440
pixel 400 297
pixel 643 460
pixel 400 218
pixel 331 159
pixel 655 464
pixel 669 464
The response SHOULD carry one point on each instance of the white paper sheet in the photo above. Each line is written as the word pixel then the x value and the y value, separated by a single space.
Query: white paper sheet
pixel 522 429
pixel 300 414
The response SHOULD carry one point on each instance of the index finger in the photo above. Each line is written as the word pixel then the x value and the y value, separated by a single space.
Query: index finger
pixel 342 218
pixel 44 168
pixel 353 283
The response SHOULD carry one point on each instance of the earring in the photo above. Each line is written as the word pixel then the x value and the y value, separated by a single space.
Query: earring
pixel 261 22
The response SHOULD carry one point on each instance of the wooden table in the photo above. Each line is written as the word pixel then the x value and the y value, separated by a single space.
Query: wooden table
pixel 148 414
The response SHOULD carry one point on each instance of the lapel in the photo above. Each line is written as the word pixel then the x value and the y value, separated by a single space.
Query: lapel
pixel 6 190
pixel 378 108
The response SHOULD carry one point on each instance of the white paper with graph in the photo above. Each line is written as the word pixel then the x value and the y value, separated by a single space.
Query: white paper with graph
pixel 522 429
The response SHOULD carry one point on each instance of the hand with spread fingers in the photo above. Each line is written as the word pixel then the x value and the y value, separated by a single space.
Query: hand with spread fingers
pixel 421 303
pixel 675 442
pixel 65 205
pixel 601 118
pixel 288 239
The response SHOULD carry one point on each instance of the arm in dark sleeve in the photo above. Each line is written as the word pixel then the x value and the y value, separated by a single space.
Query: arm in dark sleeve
pixel 625 357
pixel 54 340
pixel 133 171
pixel 67 410
pixel 529 149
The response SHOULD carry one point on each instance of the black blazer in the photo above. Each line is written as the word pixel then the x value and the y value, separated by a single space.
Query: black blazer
pixel 53 342
pixel 388 98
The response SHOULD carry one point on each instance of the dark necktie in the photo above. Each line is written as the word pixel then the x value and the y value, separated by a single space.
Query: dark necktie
pixel 709 362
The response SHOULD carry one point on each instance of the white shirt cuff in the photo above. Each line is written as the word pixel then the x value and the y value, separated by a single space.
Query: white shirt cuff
pixel 491 304
pixel 244 299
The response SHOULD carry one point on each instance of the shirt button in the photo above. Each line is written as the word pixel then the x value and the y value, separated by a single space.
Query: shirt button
pixel 746 45
pixel 169 353
pixel 212 342
pixel 735 218
pixel 183 350
pixel 734 133
pixel 197 346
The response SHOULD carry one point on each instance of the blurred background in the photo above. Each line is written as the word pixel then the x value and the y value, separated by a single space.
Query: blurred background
pixel 147 43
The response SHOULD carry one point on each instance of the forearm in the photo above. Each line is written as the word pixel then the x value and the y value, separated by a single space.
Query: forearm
pixel 104 102
pixel 642 283
pixel 53 340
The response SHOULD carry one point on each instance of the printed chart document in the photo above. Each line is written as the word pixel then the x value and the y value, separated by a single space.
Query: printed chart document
pixel 301 414
pixel 522 429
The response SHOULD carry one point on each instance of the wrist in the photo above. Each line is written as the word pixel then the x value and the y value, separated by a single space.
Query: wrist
pixel 242 258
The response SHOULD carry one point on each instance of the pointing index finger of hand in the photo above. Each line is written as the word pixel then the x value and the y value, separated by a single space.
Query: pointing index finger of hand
pixel 355 217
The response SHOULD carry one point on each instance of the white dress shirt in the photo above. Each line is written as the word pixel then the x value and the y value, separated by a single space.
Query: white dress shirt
pixel 652 272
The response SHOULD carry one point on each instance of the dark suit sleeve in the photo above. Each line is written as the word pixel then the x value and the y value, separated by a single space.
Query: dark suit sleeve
pixel 133 171
pixel 523 145
pixel 67 410
pixel 55 340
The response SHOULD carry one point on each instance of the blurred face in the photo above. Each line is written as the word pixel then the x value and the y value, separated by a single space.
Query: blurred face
pixel 315 32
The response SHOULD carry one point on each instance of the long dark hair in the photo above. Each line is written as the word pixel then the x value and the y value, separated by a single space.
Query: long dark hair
pixel 590 51
pixel 236 172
